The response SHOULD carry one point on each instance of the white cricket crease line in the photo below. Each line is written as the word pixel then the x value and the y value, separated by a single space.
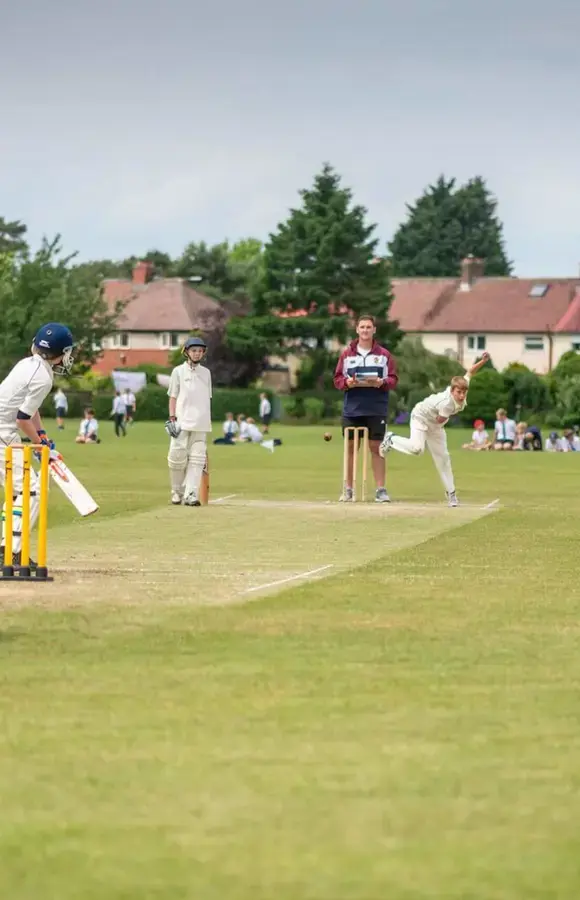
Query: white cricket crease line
pixel 262 587
pixel 221 499
pixel 492 504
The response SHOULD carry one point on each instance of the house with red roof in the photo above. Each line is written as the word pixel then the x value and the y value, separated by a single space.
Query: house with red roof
pixel 158 315
pixel 527 320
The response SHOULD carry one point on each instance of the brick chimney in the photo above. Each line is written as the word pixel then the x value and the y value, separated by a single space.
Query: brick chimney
pixel 471 269
pixel 142 272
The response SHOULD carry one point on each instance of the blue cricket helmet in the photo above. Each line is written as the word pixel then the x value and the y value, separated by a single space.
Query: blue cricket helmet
pixel 191 343
pixel 52 340
pixel 194 342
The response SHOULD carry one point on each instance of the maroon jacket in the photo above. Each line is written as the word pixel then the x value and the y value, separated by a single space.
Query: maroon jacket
pixel 366 401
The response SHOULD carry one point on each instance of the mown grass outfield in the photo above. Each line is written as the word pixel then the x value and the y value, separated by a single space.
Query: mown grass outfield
pixel 403 723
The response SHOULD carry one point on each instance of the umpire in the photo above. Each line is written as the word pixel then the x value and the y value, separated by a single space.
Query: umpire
pixel 366 372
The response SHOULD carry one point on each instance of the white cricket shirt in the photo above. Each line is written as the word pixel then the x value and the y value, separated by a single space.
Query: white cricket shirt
pixel 479 437
pixel 505 430
pixel 442 404
pixel 191 386
pixel 24 389
pixel 60 401
pixel 265 407
pixel 88 427
pixel 119 406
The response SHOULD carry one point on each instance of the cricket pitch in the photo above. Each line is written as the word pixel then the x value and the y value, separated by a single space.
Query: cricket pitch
pixel 234 550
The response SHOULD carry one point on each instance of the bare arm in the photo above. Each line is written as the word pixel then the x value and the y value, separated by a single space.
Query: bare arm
pixel 27 427
pixel 172 407
pixel 478 365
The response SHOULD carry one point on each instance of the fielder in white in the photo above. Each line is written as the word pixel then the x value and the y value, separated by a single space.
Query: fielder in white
pixel 428 420
pixel 21 395
pixel 189 423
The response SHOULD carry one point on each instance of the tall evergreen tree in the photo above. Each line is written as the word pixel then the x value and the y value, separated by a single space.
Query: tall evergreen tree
pixel 12 237
pixel 320 269
pixel 445 225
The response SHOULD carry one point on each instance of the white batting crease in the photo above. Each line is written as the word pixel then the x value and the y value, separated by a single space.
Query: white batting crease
pixel 222 499
pixel 271 584
pixel 492 504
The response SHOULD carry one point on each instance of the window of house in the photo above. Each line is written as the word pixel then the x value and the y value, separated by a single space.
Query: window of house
pixel 538 290
pixel 169 339
pixel 533 342
pixel 576 346
pixel 121 339
pixel 476 342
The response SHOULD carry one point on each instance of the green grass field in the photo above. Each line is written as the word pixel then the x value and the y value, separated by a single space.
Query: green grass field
pixel 278 697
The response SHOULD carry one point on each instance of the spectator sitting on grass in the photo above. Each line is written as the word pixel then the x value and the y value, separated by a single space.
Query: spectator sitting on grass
pixel 505 431
pixel 255 436
pixel 528 437
pixel 230 429
pixel 480 438
pixel 570 441
pixel 88 429
pixel 242 429
pixel 554 444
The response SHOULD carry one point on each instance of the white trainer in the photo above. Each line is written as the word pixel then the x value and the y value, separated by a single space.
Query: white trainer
pixel 386 444
pixel 452 499
pixel 176 498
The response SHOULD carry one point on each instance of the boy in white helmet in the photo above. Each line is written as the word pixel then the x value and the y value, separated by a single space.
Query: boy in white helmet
pixel 428 420
pixel 21 395
pixel 189 423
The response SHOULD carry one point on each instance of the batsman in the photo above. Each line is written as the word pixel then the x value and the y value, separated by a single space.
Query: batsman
pixel 189 424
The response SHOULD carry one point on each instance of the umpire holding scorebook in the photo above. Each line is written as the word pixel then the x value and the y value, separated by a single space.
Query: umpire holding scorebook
pixel 366 372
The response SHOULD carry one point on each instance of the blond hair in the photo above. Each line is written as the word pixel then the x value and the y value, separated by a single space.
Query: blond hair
pixel 458 381
pixel 500 412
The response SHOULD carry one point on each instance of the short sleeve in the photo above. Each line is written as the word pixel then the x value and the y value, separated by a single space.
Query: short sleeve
pixel 173 389
pixel 37 391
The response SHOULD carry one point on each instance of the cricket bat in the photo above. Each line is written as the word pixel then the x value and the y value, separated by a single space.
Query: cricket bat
pixel 204 487
pixel 71 487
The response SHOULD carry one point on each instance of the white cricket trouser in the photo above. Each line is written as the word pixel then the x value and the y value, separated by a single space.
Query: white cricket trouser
pixel 17 477
pixel 186 461
pixel 436 440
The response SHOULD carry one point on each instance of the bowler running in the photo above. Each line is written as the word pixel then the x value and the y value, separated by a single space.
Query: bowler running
pixel 428 420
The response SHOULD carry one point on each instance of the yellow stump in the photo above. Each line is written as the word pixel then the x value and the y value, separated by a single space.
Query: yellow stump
pixel 23 571
pixel 8 510
pixel 41 571
pixel 25 526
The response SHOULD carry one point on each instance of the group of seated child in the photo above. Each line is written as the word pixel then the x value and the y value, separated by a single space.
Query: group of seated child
pixel 242 431
pixel 507 435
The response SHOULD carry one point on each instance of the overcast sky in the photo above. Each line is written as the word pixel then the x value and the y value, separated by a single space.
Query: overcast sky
pixel 131 125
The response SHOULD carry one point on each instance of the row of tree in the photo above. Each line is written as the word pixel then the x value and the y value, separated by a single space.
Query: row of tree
pixel 295 293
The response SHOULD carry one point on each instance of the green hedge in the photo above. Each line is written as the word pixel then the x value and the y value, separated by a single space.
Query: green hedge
pixel 77 401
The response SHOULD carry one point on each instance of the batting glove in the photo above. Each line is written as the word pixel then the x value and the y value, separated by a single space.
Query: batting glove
pixel 172 427
pixel 44 439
